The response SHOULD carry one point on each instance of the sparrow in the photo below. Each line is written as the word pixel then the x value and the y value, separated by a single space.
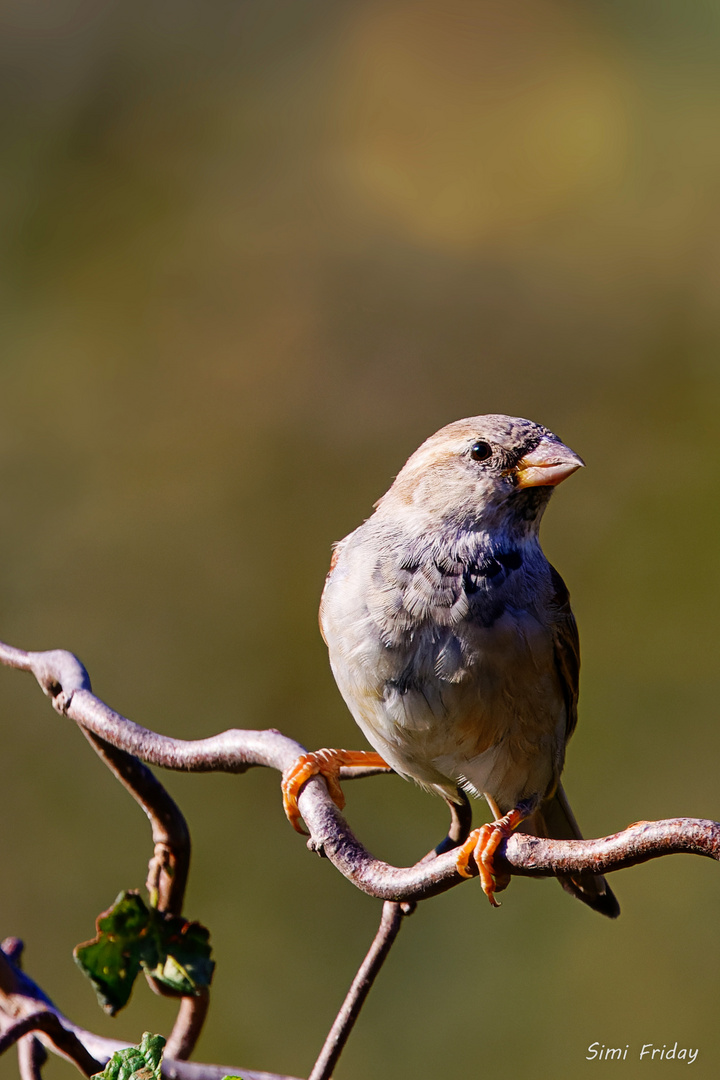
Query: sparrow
pixel 452 640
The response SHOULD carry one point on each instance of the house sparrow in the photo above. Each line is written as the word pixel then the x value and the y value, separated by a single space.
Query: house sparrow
pixel 452 640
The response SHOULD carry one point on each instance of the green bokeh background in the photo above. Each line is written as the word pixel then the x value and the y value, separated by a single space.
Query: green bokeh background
pixel 253 254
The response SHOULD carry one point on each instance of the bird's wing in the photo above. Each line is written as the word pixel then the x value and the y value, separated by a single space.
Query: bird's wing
pixel 566 644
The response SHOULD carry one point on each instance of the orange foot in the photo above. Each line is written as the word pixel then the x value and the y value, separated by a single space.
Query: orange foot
pixel 482 844
pixel 328 764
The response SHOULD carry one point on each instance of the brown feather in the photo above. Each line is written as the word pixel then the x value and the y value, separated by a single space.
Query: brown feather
pixel 556 820
pixel 567 649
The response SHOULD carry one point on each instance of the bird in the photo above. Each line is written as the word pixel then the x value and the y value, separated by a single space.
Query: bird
pixel 453 643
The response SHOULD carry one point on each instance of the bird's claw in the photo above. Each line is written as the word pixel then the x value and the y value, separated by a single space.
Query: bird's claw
pixel 481 846
pixel 326 763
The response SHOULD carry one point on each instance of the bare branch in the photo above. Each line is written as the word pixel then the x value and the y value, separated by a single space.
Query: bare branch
pixel 644 840
pixel 31 1053
pixel 64 678
pixel 61 676
pixel 120 742
pixel 31 1058
pixel 188 1025
pixel 30 1009
pixel 390 923
pixel 64 1042
pixel 22 1014
pixel 170 864
pixel 167 875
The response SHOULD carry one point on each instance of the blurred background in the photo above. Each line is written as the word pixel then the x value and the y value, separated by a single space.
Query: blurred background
pixel 253 254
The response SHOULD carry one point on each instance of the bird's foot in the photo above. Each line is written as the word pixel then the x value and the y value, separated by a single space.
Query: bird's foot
pixel 326 763
pixel 481 845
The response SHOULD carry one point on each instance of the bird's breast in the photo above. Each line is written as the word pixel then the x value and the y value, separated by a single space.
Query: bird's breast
pixel 442 659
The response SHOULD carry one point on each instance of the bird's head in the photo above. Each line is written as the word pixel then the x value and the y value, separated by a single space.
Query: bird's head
pixel 493 473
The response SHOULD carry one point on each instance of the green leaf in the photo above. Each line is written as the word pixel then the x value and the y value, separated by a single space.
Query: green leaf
pixel 136 1062
pixel 113 958
pixel 131 936
pixel 184 961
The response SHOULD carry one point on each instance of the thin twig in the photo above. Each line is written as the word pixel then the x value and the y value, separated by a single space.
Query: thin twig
pixel 390 923
pixel 32 1055
pixel 188 1025
pixel 167 875
pixel 168 869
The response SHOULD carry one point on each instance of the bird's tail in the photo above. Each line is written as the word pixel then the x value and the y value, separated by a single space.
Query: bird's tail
pixel 555 820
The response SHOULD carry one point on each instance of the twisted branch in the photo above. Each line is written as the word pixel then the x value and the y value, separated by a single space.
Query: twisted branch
pixel 64 679
pixel 25 1008
pixel 21 1014
pixel 120 743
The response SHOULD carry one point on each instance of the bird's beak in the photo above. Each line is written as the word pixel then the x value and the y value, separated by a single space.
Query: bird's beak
pixel 547 465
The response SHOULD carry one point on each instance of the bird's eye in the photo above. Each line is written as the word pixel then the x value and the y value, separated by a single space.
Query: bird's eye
pixel 480 451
